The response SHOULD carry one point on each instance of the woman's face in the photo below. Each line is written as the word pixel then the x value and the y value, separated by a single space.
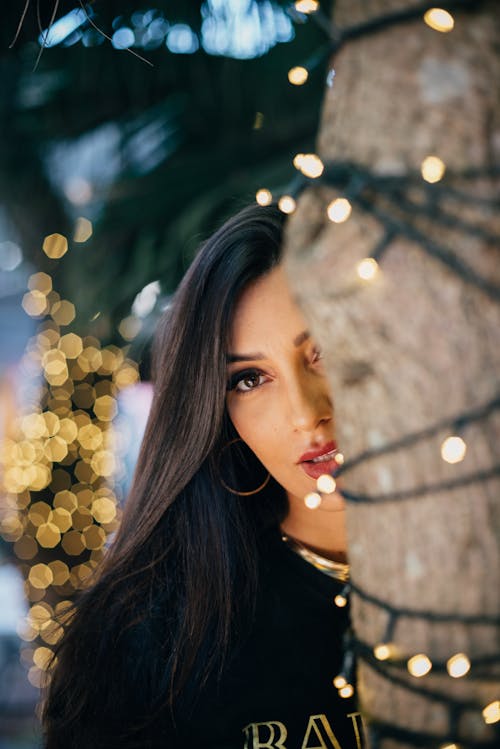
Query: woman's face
pixel 278 398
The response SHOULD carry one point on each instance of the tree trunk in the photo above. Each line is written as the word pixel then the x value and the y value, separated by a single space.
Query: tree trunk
pixel 410 350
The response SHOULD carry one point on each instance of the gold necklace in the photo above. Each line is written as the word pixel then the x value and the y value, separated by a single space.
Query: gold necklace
pixel 338 570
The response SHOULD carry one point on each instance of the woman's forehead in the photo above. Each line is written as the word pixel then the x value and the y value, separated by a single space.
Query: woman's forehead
pixel 266 308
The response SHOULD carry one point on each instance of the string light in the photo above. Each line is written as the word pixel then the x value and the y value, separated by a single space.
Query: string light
pixel 432 169
pixel 382 651
pixel 339 210
pixel 339 458
pixel 312 500
pixel 339 681
pixel 419 665
pixel 346 691
pixel 309 164
pixel 326 484
pixel 306 6
pixel 340 601
pixel 458 665
pixel 439 19
pixel 287 204
pixel 453 449
pixel 264 196
pixel 367 268
pixel 491 713
pixel 298 75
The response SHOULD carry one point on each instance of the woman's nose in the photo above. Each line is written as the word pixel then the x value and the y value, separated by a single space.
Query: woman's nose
pixel 309 403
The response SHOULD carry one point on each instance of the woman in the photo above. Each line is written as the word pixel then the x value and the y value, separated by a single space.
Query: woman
pixel 213 622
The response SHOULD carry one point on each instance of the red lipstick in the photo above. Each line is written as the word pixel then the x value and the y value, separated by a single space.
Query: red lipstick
pixel 319 460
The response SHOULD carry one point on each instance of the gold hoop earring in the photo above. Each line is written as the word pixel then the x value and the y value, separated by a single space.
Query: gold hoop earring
pixel 235 491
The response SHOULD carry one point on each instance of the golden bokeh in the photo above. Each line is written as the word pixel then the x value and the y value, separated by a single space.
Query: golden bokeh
pixel 82 518
pixel 84 395
pixel 453 449
pixel 66 499
pixel 26 547
pixel 103 509
pixel 63 312
pixel 41 657
pixel 68 430
pixel 90 360
pixel 48 535
pixel 72 543
pixel 126 375
pixel 52 424
pixel 83 229
pixel 33 425
pixel 56 449
pixel 35 303
pixel 39 513
pixel 90 437
pixel 62 519
pixel 130 327
pixel 60 572
pixel 94 537
pixel 55 246
pixel 71 345
pixel 105 408
pixel 103 463
pixel 40 576
pixel 40 281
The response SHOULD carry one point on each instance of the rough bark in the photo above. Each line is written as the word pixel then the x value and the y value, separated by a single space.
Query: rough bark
pixel 416 345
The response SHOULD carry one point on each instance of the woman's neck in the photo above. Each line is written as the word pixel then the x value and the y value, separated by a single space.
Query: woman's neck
pixel 321 530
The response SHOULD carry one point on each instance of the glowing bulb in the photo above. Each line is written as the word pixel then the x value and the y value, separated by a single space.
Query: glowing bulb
pixel 346 691
pixel 339 681
pixel 491 713
pixel 286 204
pixel 439 19
pixel 458 665
pixel 298 75
pixel 297 160
pixel 310 165
pixel 449 746
pixel 312 500
pixel 263 196
pixel 340 601
pixel 326 484
pixel 339 458
pixel 306 6
pixel 453 449
pixel 382 651
pixel 419 665
pixel 367 269
pixel 339 210
pixel 432 169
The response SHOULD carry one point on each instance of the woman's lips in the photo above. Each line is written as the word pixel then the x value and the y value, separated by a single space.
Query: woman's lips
pixel 315 470
pixel 325 460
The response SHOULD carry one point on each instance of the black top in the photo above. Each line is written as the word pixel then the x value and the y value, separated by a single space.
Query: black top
pixel 277 690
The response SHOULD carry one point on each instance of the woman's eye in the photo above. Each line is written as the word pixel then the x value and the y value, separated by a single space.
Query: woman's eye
pixel 245 381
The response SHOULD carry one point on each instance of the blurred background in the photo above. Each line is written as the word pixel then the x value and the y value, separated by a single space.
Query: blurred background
pixel 130 130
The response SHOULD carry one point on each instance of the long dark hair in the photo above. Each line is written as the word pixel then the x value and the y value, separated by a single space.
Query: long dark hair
pixel 185 554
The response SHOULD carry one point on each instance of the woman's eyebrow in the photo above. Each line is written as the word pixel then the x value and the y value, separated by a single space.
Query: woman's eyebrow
pixel 297 341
